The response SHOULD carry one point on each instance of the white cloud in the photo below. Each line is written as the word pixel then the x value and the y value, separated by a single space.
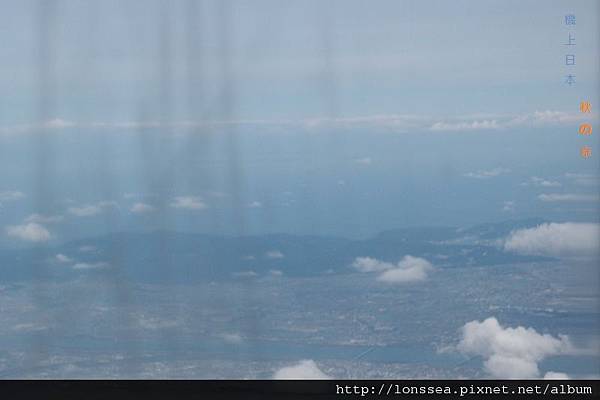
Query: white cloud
pixel 509 206
pixel 142 208
pixel 583 179
pixel 84 265
pixel 508 367
pixel 29 327
pixel 188 202
pixel 568 197
pixel 540 182
pixel 87 249
pixel 155 323
pixel 11 195
pixel 305 369
pixel 89 210
pixel 85 211
pixel 556 239
pixel 388 122
pixel 61 258
pixel 255 204
pixel 368 264
pixel 510 353
pixel 554 117
pixel 275 272
pixel 486 174
pixel 541 118
pixel 30 232
pixel 364 161
pixel 245 274
pixel 409 269
pixel 556 375
pixel 544 183
pixel 274 254
pixel 465 126
pixel 108 203
pixel 44 219
pixel 58 123
pixel 233 338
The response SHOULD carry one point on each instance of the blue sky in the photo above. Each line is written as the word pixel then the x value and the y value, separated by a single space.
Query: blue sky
pixel 121 61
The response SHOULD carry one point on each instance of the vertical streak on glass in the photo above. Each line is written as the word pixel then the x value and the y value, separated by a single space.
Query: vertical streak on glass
pixel 236 180
pixel 43 151
pixel 226 114
pixel 166 137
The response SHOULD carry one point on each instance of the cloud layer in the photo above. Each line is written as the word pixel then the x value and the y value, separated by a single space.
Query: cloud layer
pixel 30 232
pixel 10 195
pixel 556 239
pixel 274 254
pixel 188 203
pixel 90 210
pixel 142 208
pixel 388 122
pixel 541 182
pixel 567 197
pixel 63 259
pixel 583 179
pixel 305 369
pixel 44 219
pixel 486 174
pixel 510 353
pixel 409 269
pixel 85 265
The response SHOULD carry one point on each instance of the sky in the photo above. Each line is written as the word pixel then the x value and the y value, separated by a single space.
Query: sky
pixel 305 125
pixel 308 117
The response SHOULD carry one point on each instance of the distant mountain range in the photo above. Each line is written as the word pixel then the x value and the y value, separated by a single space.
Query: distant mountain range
pixel 169 257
